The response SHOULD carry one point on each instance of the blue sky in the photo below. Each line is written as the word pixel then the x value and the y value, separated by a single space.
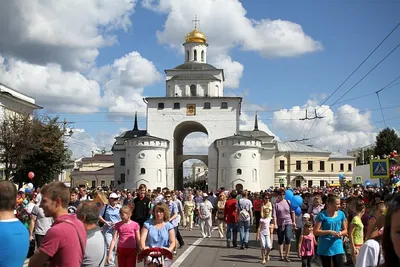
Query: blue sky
pixel 347 31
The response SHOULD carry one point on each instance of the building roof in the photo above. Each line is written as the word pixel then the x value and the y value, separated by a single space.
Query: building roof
pixel 99 158
pixel 103 171
pixel 133 134
pixel 15 95
pixel 255 133
pixel 296 147
pixel 195 76
pixel 191 65
pixel 239 137
pixel 338 155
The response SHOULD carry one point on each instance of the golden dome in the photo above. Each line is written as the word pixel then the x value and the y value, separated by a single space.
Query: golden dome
pixel 195 36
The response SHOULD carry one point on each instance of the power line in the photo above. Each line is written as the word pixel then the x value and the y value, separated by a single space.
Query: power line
pixel 351 74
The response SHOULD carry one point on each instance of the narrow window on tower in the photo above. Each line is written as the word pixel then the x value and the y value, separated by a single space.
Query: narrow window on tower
pixel 224 105
pixel 195 55
pixel 207 105
pixel 177 106
pixel 142 171
pixel 193 90
pixel 239 171
pixel 202 56
pixel 187 55
pixel 160 105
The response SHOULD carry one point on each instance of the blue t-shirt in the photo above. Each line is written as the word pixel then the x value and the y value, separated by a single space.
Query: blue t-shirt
pixel 157 237
pixel 14 243
pixel 328 245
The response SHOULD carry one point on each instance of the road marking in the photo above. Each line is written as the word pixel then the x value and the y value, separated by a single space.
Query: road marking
pixel 185 254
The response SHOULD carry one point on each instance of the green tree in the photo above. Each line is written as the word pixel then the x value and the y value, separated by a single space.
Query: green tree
pixel 40 149
pixel 386 141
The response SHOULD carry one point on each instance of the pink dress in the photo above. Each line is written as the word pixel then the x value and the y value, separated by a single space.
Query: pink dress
pixel 126 231
pixel 307 245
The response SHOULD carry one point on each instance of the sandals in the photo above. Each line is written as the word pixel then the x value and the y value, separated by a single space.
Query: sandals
pixel 285 259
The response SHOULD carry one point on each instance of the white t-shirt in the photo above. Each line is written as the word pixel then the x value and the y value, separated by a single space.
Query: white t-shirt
pixel 369 254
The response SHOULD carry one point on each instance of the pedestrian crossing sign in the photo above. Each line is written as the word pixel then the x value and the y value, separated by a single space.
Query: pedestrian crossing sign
pixel 358 180
pixel 281 180
pixel 379 168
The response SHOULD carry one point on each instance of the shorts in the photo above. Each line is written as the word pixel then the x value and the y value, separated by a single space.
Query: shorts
pixel 265 241
pixel 285 233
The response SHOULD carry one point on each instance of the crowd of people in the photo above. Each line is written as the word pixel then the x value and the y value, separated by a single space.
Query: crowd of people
pixel 60 226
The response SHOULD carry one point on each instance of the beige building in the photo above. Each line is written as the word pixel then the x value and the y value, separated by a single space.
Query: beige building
pixel 199 171
pixel 299 165
pixel 93 171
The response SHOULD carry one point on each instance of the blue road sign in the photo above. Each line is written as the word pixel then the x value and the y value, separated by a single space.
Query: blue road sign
pixel 379 168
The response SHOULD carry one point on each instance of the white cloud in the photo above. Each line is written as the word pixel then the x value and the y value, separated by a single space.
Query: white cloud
pixel 68 33
pixel 124 80
pixel 53 89
pixel 226 26
pixel 347 128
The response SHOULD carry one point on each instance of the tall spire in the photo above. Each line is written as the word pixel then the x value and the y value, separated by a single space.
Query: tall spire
pixel 135 125
pixel 256 122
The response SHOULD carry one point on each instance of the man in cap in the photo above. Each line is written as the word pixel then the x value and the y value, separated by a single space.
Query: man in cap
pixel 204 210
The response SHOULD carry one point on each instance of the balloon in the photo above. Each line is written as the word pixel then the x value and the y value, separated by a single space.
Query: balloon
pixel 297 201
pixel 291 189
pixel 31 175
pixel 341 176
pixel 27 190
pixel 297 211
pixel 288 195
pixel 30 186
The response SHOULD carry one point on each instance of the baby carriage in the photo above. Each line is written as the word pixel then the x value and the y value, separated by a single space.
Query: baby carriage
pixel 155 256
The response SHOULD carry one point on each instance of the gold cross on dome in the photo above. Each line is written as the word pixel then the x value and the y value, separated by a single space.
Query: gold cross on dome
pixel 195 21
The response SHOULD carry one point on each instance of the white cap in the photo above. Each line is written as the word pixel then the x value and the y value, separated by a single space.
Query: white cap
pixel 113 195
pixel 306 215
pixel 205 195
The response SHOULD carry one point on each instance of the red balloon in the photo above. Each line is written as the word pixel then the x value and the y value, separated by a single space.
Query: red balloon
pixel 31 175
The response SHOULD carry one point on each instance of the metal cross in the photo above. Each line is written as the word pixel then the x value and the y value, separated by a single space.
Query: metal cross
pixel 195 21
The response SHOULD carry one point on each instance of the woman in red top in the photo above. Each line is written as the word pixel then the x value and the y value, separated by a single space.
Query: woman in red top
pixel 257 202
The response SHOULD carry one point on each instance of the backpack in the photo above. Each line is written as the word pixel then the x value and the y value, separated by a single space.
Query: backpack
pixel 244 214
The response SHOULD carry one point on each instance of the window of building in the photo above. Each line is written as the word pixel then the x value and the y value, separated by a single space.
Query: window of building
pixel 195 55
pixel 112 184
pixel 187 55
pixel 93 183
pixel 298 165
pixel 281 165
pixel 322 165
pixel 159 176
pixel 127 172
pixel 202 56
pixel 177 105
pixel 122 161
pixel 193 90
pixel 142 171
pixel 103 183
pixel 254 175
pixel 198 169
pixel 341 167
pixel 321 183
pixel 224 105
pixel 160 105
pixel 350 167
pixel 207 105
pixel 310 167
pixel 239 171
pixel 122 176
pixel 309 183
pixel 331 167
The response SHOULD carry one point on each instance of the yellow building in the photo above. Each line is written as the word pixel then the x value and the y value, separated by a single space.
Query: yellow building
pixel 299 165
pixel 93 172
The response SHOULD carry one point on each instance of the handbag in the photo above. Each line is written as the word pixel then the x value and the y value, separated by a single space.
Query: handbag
pixel 101 224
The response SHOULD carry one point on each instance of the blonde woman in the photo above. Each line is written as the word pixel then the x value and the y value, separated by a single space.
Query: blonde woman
pixel 220 214
pixel 266 206
pixel 189 208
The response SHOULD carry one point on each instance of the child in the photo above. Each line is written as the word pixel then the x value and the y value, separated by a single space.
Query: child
pixel 357 230
pixel 300 221
pixel 306 245
pixel 263 234
pixel 127 233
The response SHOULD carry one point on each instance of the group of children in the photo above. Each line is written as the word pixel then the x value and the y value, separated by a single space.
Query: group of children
pixel 305 238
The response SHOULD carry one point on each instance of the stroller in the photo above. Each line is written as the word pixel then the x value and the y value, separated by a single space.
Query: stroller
pixel 154 256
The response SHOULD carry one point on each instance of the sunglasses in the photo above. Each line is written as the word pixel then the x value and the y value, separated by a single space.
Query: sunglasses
pixel 167 196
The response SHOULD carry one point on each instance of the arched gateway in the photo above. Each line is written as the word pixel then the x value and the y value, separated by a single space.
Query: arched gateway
pixel 194 102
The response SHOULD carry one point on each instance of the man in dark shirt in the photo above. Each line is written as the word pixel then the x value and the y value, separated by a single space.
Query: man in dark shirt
pixel 141 207
pixel 73 201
